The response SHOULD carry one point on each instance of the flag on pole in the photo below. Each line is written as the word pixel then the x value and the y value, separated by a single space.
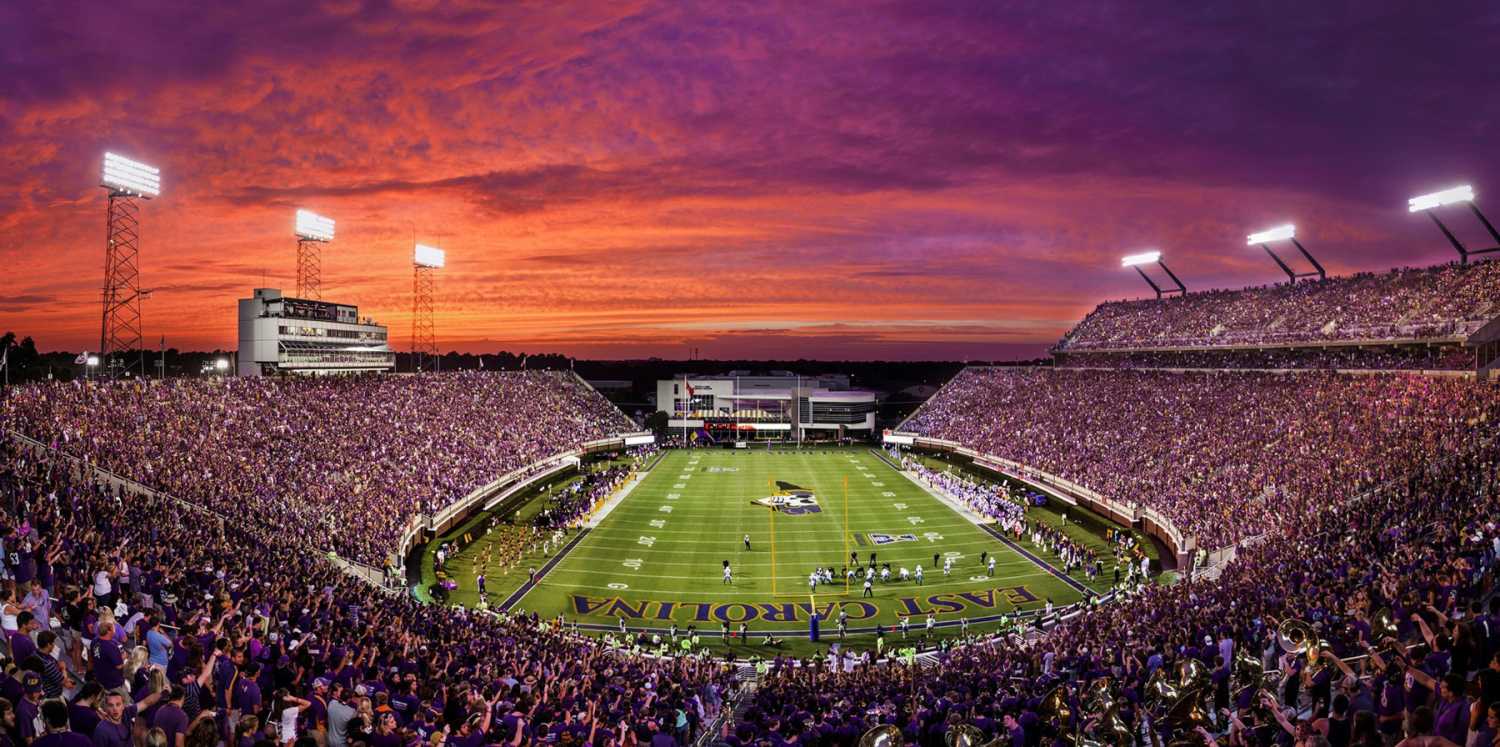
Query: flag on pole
pixel 5 359
pixel 81 359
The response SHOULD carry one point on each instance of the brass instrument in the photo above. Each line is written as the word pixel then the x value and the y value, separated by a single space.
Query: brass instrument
pixel 1159 690
pixel 1115 731
pixel 1383 625
pixel 884 735
pixel 1191 674
pixel 1099 696
pixel 1054 708
pixel 1295 636
pixel 1247 666
pixel 1188 712
pixel 963 735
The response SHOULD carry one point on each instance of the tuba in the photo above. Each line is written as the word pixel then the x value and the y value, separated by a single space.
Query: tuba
pixel 1159 690
pixel 1054 708
pixel 963 735
pixel 1191 674
pixel 1099 696
pixel 1114 729
pixel 884 735
pixel 1188 712
pixel 1383 625
pixel 1295 636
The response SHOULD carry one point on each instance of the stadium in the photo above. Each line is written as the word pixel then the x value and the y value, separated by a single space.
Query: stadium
pixel 1238 514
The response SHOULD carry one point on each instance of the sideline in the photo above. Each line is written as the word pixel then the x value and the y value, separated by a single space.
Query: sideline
pixel 614 500
pixel 583 531
pixel 988 525
pixel 516 596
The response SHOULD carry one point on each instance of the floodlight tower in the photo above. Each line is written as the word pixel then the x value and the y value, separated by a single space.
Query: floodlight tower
pixel 1287 232
pixel 120 327
pixel 1429 202
pixel 1145 258
pixel 313 231
pixel 425 262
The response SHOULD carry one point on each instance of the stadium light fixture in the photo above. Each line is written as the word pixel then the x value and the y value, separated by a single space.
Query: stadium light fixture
pixel 130 177
pixel 1430 202
pixel 1279 233
pixel 314 227
pixel 426 261
pixel 92 361
pixel 313 231
pixel 1288 232
pixel 222 364
pixel 1439 199
pixel 1136 261
pixel 427 256
pixel 1144 258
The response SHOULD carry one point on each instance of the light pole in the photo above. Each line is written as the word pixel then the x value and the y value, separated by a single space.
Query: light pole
pixel 120 327
pixel 1135 261
pixel 313 231
pixel 1429 203
pixel 425 261
pixel 1287 232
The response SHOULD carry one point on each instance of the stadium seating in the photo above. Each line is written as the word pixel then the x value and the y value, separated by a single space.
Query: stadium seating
pixel 1366 505
pixel 294 623
pixel 1442 302
pixel 344 460
pixel 1451 357
pixel 1223 455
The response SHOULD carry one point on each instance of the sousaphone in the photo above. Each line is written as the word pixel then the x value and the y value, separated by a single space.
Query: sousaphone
pixel 884 735
pixel 963 735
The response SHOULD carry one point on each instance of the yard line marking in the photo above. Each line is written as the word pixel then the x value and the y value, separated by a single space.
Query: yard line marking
pixel 552 563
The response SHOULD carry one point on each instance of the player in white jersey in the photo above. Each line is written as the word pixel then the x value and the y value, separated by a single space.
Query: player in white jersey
pixel 992 565
pixel 948 566
pixel 728 575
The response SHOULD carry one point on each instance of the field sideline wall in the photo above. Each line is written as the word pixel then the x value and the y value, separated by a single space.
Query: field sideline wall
pixel 1180 549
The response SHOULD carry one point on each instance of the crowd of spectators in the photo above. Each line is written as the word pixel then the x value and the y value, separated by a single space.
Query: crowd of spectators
pixel 229 631
pixel 1221 455
pixel 1423 551
pixel 1448 357
pixel 1423 303
pixel 213 616
pixel 342 461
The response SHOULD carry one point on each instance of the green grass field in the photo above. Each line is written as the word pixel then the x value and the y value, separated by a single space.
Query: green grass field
pixel 657 558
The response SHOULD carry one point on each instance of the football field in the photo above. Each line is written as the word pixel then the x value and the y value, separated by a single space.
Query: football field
pixel 657 558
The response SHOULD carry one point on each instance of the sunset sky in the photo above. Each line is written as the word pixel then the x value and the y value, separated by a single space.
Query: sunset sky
pixel 815 179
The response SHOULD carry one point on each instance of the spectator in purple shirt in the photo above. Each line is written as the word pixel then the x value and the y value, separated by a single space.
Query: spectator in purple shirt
pixel 55 721
pixel 82 715
pixel 108 660
pixel 21 645
pixel 117 718
pixel 28 708
pixel 172 719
